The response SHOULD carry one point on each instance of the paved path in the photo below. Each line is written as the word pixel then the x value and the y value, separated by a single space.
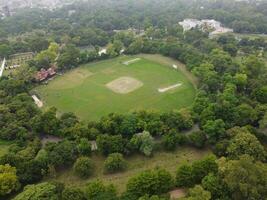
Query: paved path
pixel 2 67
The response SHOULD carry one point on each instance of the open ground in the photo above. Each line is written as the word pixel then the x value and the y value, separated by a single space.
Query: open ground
pixel 97 89
pixel 136 164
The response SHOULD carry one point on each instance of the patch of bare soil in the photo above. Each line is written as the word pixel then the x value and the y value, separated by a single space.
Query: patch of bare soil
pixel 124 85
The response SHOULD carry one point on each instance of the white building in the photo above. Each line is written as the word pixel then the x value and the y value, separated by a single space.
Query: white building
pixel 210 25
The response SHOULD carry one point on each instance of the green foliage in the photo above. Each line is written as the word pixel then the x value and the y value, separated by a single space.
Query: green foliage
pixel 246 143
pixel 245 178
pixel 73 193
pixel 98 191
pixel 173 139
pixel 46 123
pixel 179 120
pixel 154 197
pixel 84 147
pixel 62 153
pixel 143 142
pixel 197 139
pixel 8 180
pixel 69 58
pixel 107 144
pixel 198 193
pixel 115 163
pixel 214 130
pixel 42 191
pixel 185 176
pixel 245 114
pixel 261 94
pixel 150 182
pixel 189 175
pixel 212 183
pixel 84 167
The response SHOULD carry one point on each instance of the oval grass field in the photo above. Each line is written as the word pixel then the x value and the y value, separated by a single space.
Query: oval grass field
pixel 116 85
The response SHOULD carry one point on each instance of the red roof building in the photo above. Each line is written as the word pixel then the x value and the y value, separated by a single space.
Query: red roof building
pixel 43 74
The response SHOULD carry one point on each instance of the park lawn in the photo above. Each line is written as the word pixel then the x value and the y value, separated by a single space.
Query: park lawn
pixel 4 145
pixel 136 164
pixel 83 90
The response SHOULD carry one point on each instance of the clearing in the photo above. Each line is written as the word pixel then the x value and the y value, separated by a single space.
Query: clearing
pixel 97 89
pixel 136 164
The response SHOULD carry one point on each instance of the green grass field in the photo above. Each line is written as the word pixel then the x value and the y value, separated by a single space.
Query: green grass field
pixel 136 164
pixel 83 90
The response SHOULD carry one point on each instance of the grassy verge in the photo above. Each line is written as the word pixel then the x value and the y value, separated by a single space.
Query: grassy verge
pixel 136 164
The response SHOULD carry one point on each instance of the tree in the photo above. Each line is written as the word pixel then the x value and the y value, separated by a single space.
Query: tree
pixel 254 66
pixel 143 142
pixel 83 167
pixel 47 57
pixel 84 147
pixel 151 182
pixel 261 94
pixel 169 141
pixel 198 193
pixel 245 115
pixel 70 193
pixel 179 120
pixel 107 144
pixel 128 126
pixel 263 121
pixel 245 178
pixel 115 163
pixel 214 129
pixel 62 153
pixel 184 176
pixel 154 197
pixel 197 139
pixel 245 143
pixel 42 191
pixel 31 171
pixel 98 191
pixel 46 123
pixel 69 58
pixel 189 175
pixel 221 60
pixel 212 183
pixel 135 47
pixel 8 180
pixel 203 167
pixel 5 50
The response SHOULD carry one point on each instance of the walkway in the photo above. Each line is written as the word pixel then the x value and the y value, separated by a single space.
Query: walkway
pixel 2 67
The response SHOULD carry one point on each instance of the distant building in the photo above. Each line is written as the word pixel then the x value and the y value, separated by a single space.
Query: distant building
pixel 207 25
pixel 101 52
pixel 6 11
pixel 44 74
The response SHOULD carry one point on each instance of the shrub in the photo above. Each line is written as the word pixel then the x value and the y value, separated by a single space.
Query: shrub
pixel 197 139
pixel 169 142
pixel 151 182
pixel 98 191
pixel 84 167
pixel 143 142
pixel 115 163
pixel 184 176
pixel 110 144
pixel 73 194
pixel 84 147
pixel 189 175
